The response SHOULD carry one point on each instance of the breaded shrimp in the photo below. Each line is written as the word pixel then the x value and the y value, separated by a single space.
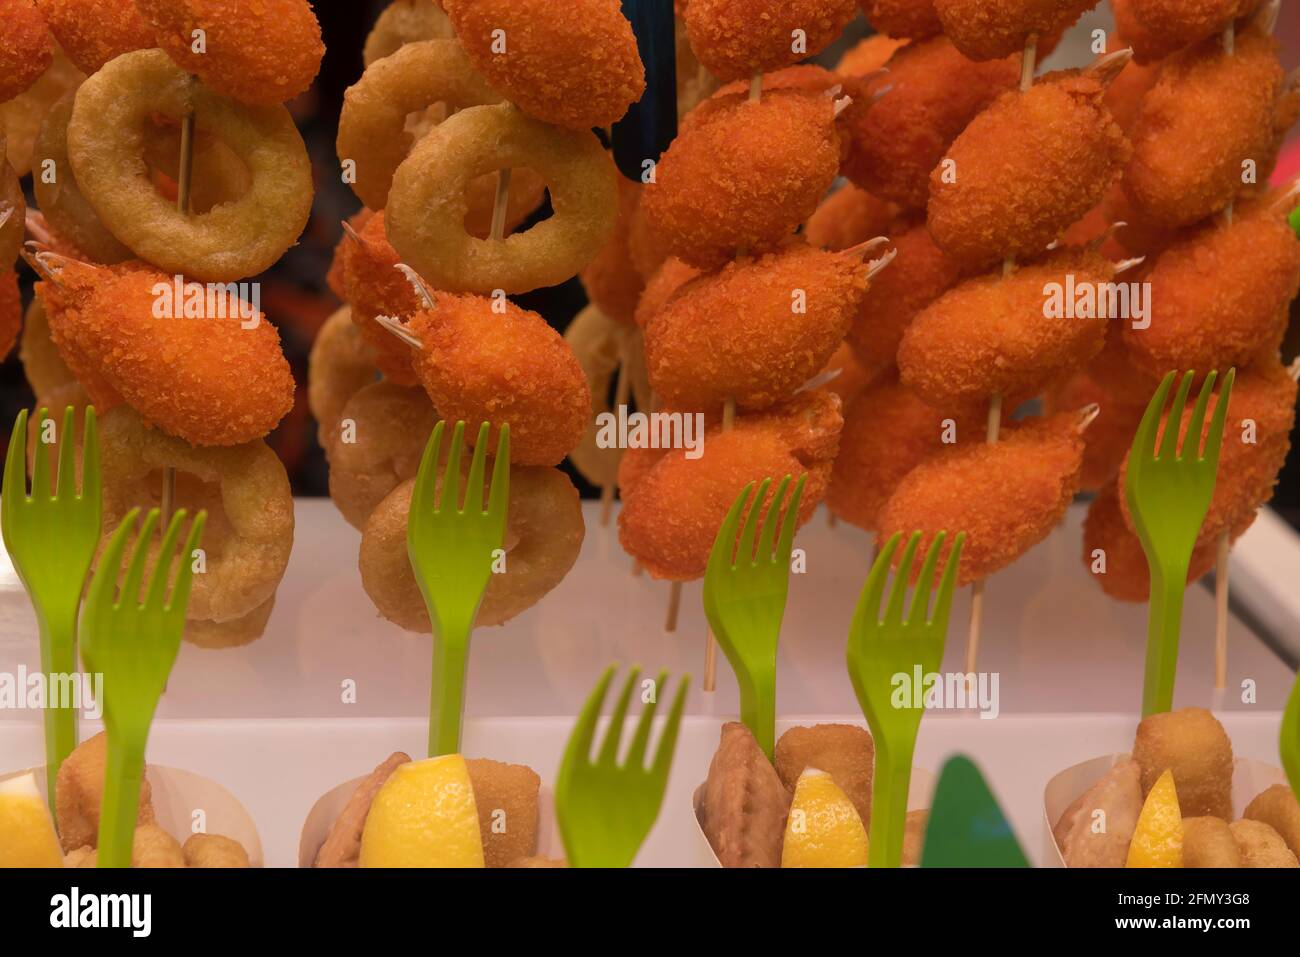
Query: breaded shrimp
pixel 92 32
pixel 1109 436
pixel 661 287
pixel 989 29
pixel 611 279
pixel 374 287
pixel 911 19
pixel 868 55
pixel 847 217
pixel 1157 28
pixel 737 38
pixel 26 49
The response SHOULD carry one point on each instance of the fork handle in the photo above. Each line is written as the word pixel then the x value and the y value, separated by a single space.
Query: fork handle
pixel 1164 624
pixel 889 790
pixel 121 805
pixel 447 687
pixel 758 707
pixel 58 631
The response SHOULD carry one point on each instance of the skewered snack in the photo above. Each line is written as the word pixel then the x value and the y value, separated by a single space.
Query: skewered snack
pixel 662 285
pixel 595 340
pixel 745 175
pixel 373 286
pixel 427 204
pixel 26 50
pixel 575 65
pixel 868 55
pixel 849 216
pixel 799 304
pixel 1016 203
pixel 230 241
pixel 544 532
pixel 259 52
pixel 735 39
pixel 911 19
pixel 671 515
pixel 92 32
pixel 1110 435
pixel 340 365
pixel 1157 28
pixel 21 117
pixel 985 30
pixel 13 211
pixel 934 93
pixel 611 280
pixel 42 365
pixel 1007 496
pixel 406 21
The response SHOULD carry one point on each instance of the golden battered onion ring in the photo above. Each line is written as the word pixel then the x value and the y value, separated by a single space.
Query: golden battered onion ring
pixel 244 488
pixel 543 537
pixel 42 365
pixel 390 425
pixel 21 117
pixel 13 211
pixel 427 204
pixel 231 241
pixel 340 365
pixel 372 127
pixel 403 22
pixel 230 634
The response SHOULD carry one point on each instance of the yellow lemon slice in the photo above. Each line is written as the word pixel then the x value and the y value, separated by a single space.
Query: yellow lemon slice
pixel 1158 837
pixel 823 829
pixel 27 837
pixel 424 816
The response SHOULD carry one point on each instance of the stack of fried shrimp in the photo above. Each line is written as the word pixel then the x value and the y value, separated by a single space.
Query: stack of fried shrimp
pixel 139 307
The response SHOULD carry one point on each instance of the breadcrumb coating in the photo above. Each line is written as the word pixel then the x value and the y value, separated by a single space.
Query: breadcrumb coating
pixel 849 216
pixel 611 279
pixel 26 50
pixel 911 19
pixel 1157 28
pixel 373 286
pixel 1192 744
pixel 989 29
pixel 737 38
pixel 868 55
pixel 92 32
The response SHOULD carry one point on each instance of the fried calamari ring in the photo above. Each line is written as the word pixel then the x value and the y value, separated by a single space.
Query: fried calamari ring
pixel 427 204
pixel 21 117
pixel 544 532
pixel 234 633
pixel 245 490
pixel 231 241
pixel 13 212
pixel 574 64
pixel 260 52
pixel 42 365
pixel 26 50
pixel 737 38
pixel 92 32
pixel 481 365
pixel 11 312
pixel 341 364
pixel 387 428
pixel 372 127
pixel 403 22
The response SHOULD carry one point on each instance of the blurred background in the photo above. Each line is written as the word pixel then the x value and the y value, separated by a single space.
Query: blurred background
pixel 296 299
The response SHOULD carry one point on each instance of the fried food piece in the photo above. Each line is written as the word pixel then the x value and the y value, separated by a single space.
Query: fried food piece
pixel 1109 437
pixel 403 22
pixel 82 857
pixel 799 303
pixel 1157 28
pixel 1278 807
pixel 1127 91
pixel 481 364
pixel 21 117
pixel 744 805
pixel 601 345
pixel 611 280
pixel 342 846
pixel 671 515
pixel 26 50
pixel 537 862
pixel 233 632
pixel 985 30
pixel 738 38
pixel 662 286
pixel 341 364
pixel 1004 202
pixel 13 211
pixel 574 64
pixel 806 78
pixel 745 174
pixel 61 302
pixel 1202 320
pixel 934 94
pixel 913 19
pixel 11 311
pixel 868 55
pixel 1192 744
pixel 387 427
pixel 262 53
pixel 374 287
pixel 992 334
pixel 92 32
pixel 151 846
pixel 544 532
pixel 1261 846
pixel 1095 831
pixel 844 751
pixel 506 798
pixel 42 365
pixel 79 792
pixel 914 837
pixel 850 378
pixel 1207 115
pixel 849 216
pixel 214 850
pixel 1209 842
pixel 1007 497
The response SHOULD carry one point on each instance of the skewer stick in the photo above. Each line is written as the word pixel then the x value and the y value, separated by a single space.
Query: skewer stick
pixel 756 87
pixel 674 606
pixel 502 204
pixel 711 644
pixel 184 180
pixel 622 393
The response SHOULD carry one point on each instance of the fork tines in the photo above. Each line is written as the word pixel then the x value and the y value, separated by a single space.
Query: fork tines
pixel 1169 444
pixel 424 496
pixel 779 504
pixel 584 731
pixel 925 579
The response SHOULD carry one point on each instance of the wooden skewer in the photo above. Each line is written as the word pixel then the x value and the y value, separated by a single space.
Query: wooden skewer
pixel 502 205
pixel 756 87
pixel 622 393
pixel 184 181
pixel 711 643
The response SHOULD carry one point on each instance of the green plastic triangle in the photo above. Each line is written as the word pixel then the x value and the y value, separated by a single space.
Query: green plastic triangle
pixel 967 827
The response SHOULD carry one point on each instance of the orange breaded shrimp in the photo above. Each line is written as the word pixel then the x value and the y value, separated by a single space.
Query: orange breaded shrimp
pixel 1219 295
pixel 849 216
pixel 868 55
pixel 1110 435
pixel 1006 496
pixel 611 280
pixel 374 287
pixel 26 50
pixel 754 331
pixel 574 64
pixel 990 29
pixel 744 176
pixel 671 515
pixel 934 93
pixel 911 19
pixel 1157 28
pixel 482 365
pixel 1208 115
pixel 92 32
pixel 260 52
pixel 670 277
pixel 989 201
pixel 736 38
pixel 992 336
pixel 919 274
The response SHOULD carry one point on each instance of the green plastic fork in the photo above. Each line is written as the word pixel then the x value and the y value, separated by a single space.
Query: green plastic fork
pixel 879 649
pixel 605 809
pixel 1169 492
pixel 52 537
pixel 451 549
pixel 133 644
pixel 1290 743
pixel 745 591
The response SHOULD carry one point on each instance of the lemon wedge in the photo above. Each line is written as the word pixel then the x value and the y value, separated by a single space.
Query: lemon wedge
pixel 424 816
pixel 823 829
pixel 1158 837
pixel 27 837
